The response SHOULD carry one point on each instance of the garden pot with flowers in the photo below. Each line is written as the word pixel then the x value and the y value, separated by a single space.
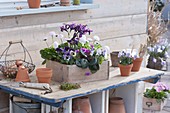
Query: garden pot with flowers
pixel 158 55
pixel 138 58
pixel 156 97
pixel 125 62
pixel 78 58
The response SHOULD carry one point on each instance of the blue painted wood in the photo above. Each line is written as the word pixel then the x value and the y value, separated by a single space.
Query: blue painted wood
pixel 14 12
pixel 58 103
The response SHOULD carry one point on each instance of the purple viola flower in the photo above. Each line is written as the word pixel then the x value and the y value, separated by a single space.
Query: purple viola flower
pixel 163 63
pixel 66 57
pixel 87 73
pixel 59 49
pixel 128 55
pixel 77 51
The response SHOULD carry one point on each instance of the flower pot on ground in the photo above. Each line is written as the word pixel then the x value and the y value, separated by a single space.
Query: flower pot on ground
pixel 137 64
pixel 114 58
pixel 76 58
pixel 158 54
pixel 125 63
pixel 156 96
pixel 22 75
pixel 44 75
pixel 116 105
pixel 81 105
pixel 34 3
pixel 64 2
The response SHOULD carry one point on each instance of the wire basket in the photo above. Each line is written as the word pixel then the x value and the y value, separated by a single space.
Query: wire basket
pixel 9 67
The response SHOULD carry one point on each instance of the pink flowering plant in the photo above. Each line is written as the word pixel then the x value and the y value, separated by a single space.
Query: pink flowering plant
pixel 76 48
pixel 158 91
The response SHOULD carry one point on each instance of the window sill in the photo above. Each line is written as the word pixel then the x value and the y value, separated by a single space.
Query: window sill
pixel 27 11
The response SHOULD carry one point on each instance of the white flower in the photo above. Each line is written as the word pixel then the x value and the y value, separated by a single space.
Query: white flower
pixel 105 54
pixel 159 50
pixel 83 39
pixel 166 55
pixel 52 33
pixel 99 52
pixel 90 39
pixel 107 48
pixel 56 44
pixel 96 38
pixel 60 36
pixel 154 60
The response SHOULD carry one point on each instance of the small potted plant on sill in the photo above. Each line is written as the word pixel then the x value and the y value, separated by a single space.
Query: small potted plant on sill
pixel 125 62
pixel 138 58
pixel 156 96
pixel 78 58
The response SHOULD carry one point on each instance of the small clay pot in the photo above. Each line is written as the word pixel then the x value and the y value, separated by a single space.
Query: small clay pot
pixel 64 2
pixel 44 75
pixel 81 105
pixel 34 3
pixel 116 105
pixel 137 64
pixel 125 69
pixel 22 75
pixel 114 58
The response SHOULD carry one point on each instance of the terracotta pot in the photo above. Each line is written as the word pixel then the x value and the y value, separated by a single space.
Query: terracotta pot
pixel 137 64
pixel 64 2
pixel 116 105
pixel 34 3
pixel 114 58
pixel 81 105
pixel 125 69
pixel 44 75
pixel 76 2
pixel 22 75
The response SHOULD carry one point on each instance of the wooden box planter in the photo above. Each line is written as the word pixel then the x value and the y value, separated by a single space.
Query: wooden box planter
pixel 74 74
pixel 152 104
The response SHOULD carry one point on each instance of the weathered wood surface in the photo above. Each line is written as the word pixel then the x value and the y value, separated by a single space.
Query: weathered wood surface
pixel 86 88
pixel 74 74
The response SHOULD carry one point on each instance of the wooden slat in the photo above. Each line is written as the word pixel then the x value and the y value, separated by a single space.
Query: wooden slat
pixel 86 88
pixel 108 8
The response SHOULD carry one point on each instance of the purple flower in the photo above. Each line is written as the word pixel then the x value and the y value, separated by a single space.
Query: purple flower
pixel 87 73
pixel 59 49
pixel 163 62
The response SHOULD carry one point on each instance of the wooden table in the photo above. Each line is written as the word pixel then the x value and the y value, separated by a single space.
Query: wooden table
pixel 126 87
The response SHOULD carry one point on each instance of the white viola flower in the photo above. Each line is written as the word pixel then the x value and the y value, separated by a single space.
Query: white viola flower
pixel 105 54
pixel 90 39
pixel 52 33
pixel 166 55
pixel 107 48
pixel 163 47
pixel 135 54
pixel 99 52
pixel 151 49
pixel 159 50
pixel 154 60
pixel 83 39
pixel 163 63
pixel 60 36
pixel 96 38
pixel 45 38
pixel 56 44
